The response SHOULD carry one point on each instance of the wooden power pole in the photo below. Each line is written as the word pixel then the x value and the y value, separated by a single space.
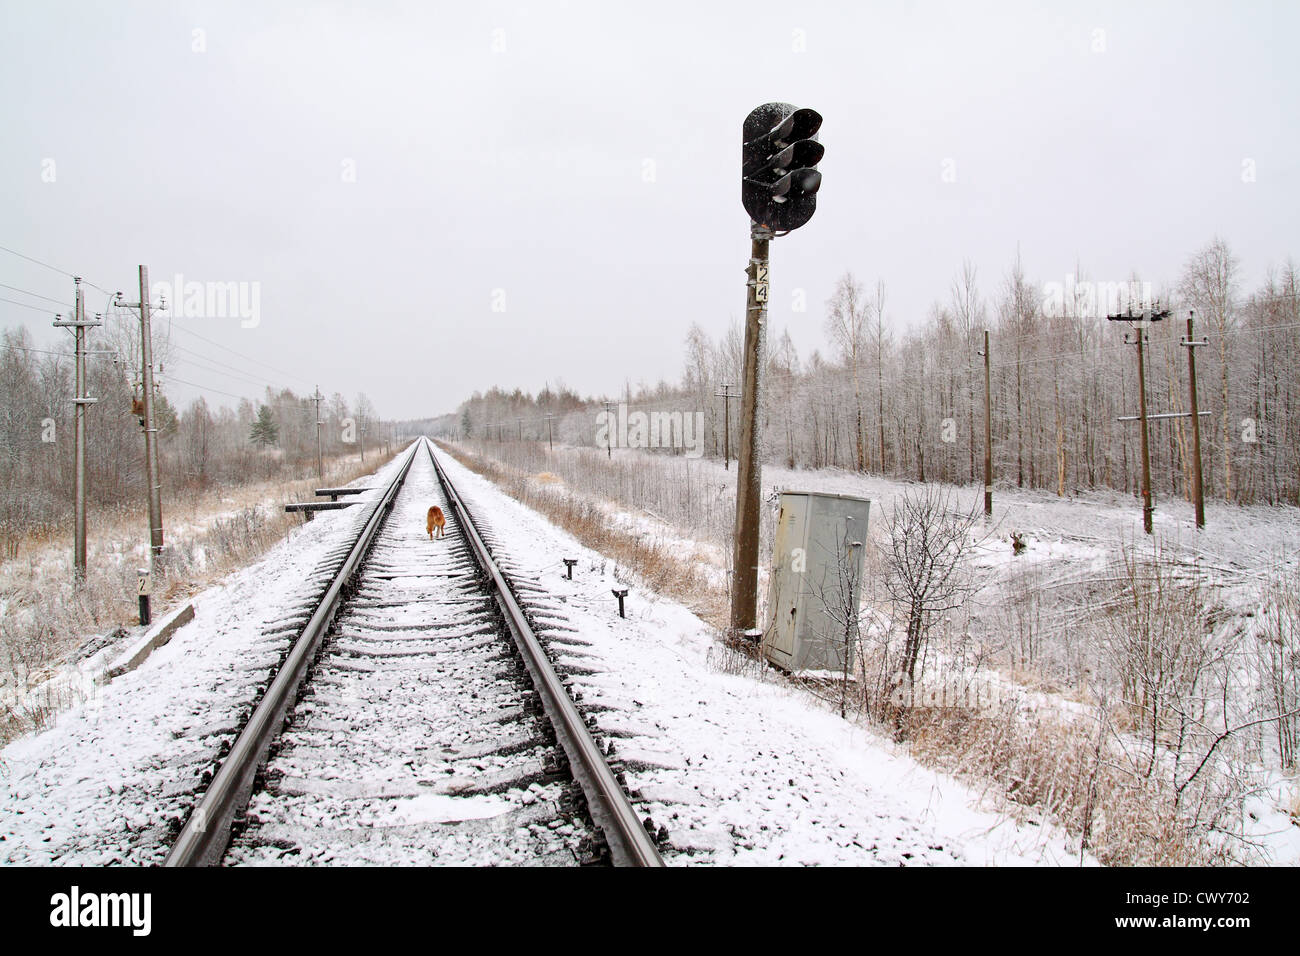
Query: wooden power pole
pixel 988 433
pixel 744 587
pixel 609 430
pixel 1198 492
pixel 1142 320
pixel 725 395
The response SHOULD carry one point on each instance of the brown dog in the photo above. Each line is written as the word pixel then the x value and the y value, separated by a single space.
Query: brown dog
pixel 436 520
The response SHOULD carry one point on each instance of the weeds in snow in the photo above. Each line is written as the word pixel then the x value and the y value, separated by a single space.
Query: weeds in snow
pixel 1135 708
pixel 48 623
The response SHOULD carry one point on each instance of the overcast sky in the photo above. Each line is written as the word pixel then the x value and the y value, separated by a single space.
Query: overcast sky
pixel 392 176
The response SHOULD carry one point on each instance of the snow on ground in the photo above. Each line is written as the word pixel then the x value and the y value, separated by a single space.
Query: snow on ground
pixel 1073 543
pixel 96 787
pixel 1076 534
pixel 740 770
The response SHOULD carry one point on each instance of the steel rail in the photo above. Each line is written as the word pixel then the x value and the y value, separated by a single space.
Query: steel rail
pixel 203 839
pixel 610 809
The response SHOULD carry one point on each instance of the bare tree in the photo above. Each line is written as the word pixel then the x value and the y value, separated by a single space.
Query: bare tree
pixel 969 317
pixel 928 541
pixel 847 314
pixel 1209 285
pixel 1018 311
pixel 881 340
pixel 1277 665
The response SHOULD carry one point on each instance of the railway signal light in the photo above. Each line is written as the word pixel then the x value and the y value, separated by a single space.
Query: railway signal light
pixel 779 179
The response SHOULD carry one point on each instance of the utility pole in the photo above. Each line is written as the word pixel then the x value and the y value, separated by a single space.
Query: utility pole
pixel 150 423
pixel 1142 320
pixel 521 429
pixel 1198 493
pixel 988 433
pixel 153 478
pixel 361 430
pixel 320 463
pixel 79 402
pixel 609 431
pixel 549 440
pixel 725 395
pixel 744 588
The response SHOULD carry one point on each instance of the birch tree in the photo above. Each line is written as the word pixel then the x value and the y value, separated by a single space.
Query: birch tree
pixel 847 315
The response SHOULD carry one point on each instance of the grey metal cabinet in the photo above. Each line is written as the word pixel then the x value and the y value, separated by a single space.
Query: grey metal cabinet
pixel 817 560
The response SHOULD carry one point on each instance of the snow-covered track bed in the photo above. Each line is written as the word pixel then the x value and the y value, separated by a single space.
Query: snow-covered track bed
pixel 412 724
pixel 114 779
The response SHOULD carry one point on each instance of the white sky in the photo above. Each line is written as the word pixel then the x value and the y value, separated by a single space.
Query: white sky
pixel 524 170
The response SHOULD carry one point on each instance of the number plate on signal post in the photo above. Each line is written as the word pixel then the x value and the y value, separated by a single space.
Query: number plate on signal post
pixel 760 283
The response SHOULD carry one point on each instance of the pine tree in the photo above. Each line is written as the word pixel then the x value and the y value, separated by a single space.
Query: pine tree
pixel 264 430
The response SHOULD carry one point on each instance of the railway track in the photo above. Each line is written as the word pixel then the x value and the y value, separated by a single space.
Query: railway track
pixel 416 719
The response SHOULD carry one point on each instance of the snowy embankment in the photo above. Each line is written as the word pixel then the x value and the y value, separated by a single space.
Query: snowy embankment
pixel 741 770
pixel 99 786
pixel 1036 626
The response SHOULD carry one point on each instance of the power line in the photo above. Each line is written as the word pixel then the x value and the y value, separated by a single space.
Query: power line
pixel 37 295
pixel 247 358
pixel 14 252
pixel 206 388
pixel 64 272
pixel 27 305
pixel 24 348
pixel 206 364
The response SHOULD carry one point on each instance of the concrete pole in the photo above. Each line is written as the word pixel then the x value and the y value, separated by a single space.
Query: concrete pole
pixel 80 400
pixel 79 437
pixel 320 465
pixel 152 478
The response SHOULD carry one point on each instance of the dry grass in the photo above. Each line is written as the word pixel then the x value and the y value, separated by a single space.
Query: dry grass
pixel 1036 765
pixel 1040 764
pixel 47 623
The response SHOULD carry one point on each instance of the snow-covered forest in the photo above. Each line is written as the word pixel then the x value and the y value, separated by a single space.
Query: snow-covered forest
pixel 904 398
pixel 201 446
